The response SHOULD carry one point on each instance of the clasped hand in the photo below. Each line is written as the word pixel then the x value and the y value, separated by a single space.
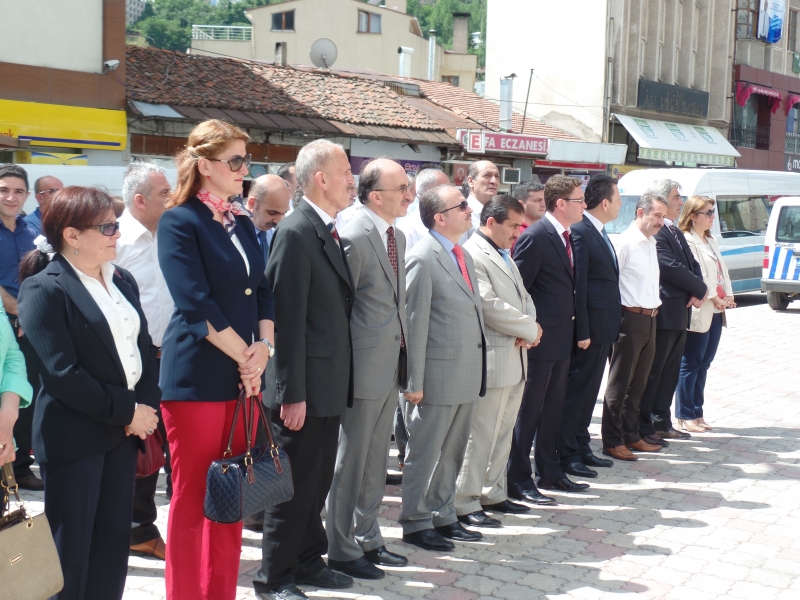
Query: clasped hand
pixel 144 420
pixel 251 370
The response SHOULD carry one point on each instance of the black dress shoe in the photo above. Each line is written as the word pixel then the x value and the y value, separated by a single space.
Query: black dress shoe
pixel 428 539
pixel 394 479
pixel 533 496
pixel 673 434
pixel 381 556
pixel 479 519
pixel 327 579
pixel 565 485
pixel 654 439
pixel 456 531
pixel 286 592
pixel 360 568
pixel 590 460
pixel 31 482
pixel 578 469
pixel 508 507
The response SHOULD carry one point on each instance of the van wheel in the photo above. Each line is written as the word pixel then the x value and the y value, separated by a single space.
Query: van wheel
pixel 777 300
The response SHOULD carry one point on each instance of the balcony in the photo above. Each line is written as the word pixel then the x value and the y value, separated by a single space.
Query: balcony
pixel 228 33
pixel 745 136
pixel 792 144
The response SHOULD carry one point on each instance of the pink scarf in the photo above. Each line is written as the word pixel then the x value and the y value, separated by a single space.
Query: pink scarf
pixel 228 209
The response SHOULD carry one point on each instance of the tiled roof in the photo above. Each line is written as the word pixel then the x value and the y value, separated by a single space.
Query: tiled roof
pixel 164 77
pixel 485 112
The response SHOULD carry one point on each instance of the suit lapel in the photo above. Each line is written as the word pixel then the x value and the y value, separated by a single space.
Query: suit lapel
pixel 332 250
pixel 558 243
pixel 450 267
pixel 602 241
pixel 377 243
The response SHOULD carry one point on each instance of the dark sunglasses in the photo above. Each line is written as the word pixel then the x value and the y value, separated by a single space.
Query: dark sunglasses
pixel 108 229
pixel 236 162
pixel 708 213
pixel 463 206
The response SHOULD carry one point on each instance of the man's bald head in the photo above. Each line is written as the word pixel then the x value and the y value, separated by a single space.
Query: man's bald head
pixel 268 200
pixel 385 189
pixel 483 178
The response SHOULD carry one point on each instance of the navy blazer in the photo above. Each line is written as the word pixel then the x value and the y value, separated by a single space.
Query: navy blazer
pixel 597 300
pixel 680 278
pixel 84 403
pixel 544 265
pixel 208 281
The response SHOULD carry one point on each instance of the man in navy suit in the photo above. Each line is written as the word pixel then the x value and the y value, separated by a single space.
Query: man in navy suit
pixel 269 200
pixel 598 316
pixel 681 286
pixel 545 258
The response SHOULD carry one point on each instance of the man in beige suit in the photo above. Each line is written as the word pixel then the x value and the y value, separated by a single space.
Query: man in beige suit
pixel 511 328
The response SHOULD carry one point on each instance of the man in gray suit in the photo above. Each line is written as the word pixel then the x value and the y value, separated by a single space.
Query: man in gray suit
pixel 379 331
pixel 446 371
pixel 511 328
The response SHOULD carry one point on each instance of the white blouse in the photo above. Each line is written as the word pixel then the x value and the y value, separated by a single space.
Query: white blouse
pixel 123 320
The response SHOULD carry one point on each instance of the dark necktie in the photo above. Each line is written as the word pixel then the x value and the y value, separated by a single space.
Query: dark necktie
pixel 569 250
pixel 262 239
pixel 462 266
pixel 674 234
pixel 391 249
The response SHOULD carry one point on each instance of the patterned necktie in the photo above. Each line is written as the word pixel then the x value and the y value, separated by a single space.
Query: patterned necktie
pixel 569 250
pixel 334 233
pixel 391 249
pixel 674 233
pixel 462 265
pixel 504 254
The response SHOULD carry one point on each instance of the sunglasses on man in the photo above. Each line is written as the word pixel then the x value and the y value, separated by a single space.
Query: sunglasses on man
pixel 462 205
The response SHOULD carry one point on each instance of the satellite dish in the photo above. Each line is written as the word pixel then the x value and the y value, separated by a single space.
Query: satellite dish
pixel 323 53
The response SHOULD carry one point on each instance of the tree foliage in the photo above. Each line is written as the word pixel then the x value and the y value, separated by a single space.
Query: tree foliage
pixel 438 15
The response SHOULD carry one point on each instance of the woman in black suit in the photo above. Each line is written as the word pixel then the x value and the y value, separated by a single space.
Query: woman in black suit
pixel 99 390
pixel 218 339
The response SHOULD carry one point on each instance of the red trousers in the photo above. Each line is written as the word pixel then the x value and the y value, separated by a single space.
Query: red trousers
pixel 202 556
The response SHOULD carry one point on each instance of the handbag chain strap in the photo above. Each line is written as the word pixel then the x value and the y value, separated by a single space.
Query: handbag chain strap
pixel 9 485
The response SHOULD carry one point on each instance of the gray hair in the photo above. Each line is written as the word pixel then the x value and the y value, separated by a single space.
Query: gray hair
pixel 427 179
pixel 647 201
pixel 312 158
pixel 663 187
pixel 137 180
pixel 432 203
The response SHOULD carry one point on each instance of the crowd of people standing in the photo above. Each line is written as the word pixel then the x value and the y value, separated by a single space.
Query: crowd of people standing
pixel 474 328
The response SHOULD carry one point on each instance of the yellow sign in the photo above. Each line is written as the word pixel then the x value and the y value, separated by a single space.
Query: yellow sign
pixel 64 126
pixel 620 170
pixel 52 158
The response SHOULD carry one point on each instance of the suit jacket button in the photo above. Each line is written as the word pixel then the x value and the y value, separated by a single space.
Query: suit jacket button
pixel 397 338
pixel 248 291
pixel 573 318
pixel 348 298
pixel 480 345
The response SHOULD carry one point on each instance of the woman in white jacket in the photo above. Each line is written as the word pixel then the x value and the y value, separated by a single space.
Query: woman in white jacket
pixel 707 321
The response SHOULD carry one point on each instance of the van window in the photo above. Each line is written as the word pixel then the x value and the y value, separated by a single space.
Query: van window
pixel 742 216
pixel 788 225
pixel 627 214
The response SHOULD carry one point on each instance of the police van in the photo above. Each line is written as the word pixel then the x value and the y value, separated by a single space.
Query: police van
pixel 781 271
pixel 743 202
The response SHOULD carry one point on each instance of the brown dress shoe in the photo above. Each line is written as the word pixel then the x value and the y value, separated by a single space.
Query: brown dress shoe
pixel 156 548
pixel 643 446
pixel 620 453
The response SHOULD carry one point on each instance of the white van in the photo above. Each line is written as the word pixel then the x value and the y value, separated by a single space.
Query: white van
pixel 744 200
pixel 781 273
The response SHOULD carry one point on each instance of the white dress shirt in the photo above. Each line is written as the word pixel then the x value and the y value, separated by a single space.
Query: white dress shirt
pixel 326 218
pixel 345 216
pixel 560 229
pixel 137 251
pixel 638 269
pixel 382 227
pixel 598 224
pixel 411 225
pixel 476 207
pixel 122 318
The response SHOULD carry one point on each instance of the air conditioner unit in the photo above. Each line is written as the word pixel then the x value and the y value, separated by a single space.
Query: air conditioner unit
pixel 511 176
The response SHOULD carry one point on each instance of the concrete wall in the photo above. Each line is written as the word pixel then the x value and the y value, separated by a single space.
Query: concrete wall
pixel 776 58
pixel 225 47
pixel 54 34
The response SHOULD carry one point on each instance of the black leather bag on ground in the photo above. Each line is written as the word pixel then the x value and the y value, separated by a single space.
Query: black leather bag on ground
pixel 240 486
pixel 29 565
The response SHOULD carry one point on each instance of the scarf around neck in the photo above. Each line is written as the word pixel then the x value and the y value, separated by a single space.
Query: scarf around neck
pixel 229 209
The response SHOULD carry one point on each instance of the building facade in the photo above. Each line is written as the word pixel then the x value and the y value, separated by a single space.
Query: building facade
pixel 133 11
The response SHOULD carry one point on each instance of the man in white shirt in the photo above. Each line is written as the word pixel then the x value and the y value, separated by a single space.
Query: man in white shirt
pixel 411 225
pixel 145 191
pixel 483 179
pixel 633 352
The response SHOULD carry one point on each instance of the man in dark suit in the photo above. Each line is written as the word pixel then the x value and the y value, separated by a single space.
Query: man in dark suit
pixel 268 200
pixel 598 316
pixel 309 383
pixel 680 286
pixel 545 258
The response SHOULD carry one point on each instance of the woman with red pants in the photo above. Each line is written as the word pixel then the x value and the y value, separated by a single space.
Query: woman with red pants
pixel 218 339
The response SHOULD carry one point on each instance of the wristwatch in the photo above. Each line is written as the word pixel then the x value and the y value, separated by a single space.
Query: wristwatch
pixel 269 345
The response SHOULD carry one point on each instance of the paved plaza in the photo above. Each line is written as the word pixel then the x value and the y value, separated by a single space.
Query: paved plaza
pixel 716 516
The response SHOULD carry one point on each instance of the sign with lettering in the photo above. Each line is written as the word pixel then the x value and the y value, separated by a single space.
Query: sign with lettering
pixel 513 143
pixel 672 99
pixel 792 163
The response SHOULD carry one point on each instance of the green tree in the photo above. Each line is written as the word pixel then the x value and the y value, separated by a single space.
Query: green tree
pixel 439 16
pixel 163 33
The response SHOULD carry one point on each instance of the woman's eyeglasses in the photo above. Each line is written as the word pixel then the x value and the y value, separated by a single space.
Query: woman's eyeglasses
pixel 108 229
pixel 235 162
pixel 708 213
pixel 462 205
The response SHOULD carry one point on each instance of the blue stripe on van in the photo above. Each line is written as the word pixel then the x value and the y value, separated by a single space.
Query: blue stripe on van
pixel 747 250
pixel 796 275
pixel 746 285
pixel 786 263
pixel 774 266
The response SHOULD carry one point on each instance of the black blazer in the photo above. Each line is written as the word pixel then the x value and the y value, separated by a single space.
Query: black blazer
pixel 680 278
pixel 313 301
pixel 208 281
pixel 597 301
pixel 84 403
pixel 544 265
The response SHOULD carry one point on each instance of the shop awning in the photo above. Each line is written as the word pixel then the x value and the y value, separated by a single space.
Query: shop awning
pixel 745 90
pixel 64 126
pixel 791 101
pixel 677 142
pixel 586 152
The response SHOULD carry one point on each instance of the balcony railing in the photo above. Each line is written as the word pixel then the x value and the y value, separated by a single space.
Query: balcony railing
pixel 234 33
pixel 746 136
pixel 792 144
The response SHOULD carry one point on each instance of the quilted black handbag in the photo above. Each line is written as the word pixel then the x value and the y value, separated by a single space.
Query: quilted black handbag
pixel 240 486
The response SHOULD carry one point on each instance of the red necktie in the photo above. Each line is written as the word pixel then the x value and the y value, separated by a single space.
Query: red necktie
pixel 462 265
pixel 391 249
pixel 569 250
pixel 334 233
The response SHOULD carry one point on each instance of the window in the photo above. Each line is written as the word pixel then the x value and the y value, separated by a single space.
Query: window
pixel 742 215
pixel 792 144
pixel 283 21
pixel 368 22
pixel 788 225
pixel 751 123
pixel 746 19
pixel 792 47
pixel 451 79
